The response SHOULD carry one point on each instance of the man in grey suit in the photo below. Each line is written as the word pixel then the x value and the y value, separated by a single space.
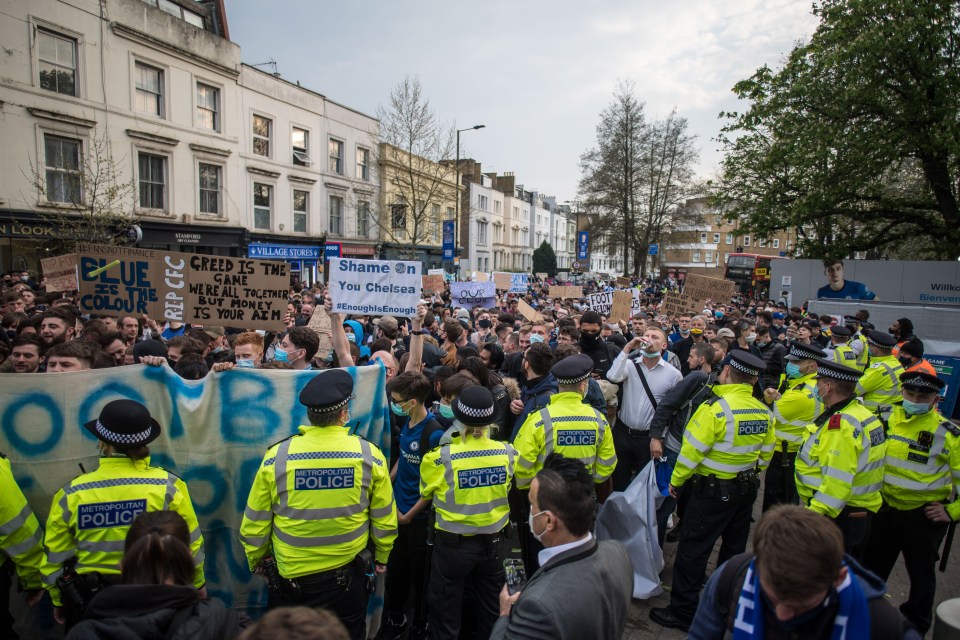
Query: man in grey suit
pixel 583 588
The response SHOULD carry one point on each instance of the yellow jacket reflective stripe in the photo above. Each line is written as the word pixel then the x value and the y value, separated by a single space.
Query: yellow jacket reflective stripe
pixel 845 355
pixel 570 428
pixel 725 436
pixel 20 537
pixel 468 481
pixel 843 465
pixel 316 499
pixel 795 409
pixel 922 462
pixel 880 384
pixel 859 345
pixel 90 517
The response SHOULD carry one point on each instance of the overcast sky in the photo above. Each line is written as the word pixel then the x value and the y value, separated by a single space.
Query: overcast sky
pixel 537 73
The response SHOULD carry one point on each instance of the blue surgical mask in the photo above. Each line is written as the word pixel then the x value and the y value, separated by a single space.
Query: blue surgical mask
pixel 650 354
pixel 280 355
pixel 536 338
pixel 246 364
pixel 445 411
pixel 793 370
pixel 915 408
pixel 816 392
pixel 398 410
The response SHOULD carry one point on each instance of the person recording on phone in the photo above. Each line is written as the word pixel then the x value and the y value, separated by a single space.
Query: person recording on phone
pixel 583 587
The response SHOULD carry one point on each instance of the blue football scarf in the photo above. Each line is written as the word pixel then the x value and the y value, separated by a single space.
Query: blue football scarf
pixel 852 621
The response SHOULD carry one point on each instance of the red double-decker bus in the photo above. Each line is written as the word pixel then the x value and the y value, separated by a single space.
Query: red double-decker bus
pixel 751 273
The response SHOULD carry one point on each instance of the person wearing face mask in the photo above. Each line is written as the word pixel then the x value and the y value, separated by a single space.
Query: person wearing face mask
pixel 774 354
pixel 840 350
pixel 298 347
pixel 646 379
pixel 792 412
pixel 902 330
pixel 568 426
pixel 911 357
pixel 839 467
pixel 468 481
pixel 682 341
pixel 85 529
pixel 770 595
pixel 880 385
pixel 537 387
pixel 583 587
pixel 922 463
pixel 727 441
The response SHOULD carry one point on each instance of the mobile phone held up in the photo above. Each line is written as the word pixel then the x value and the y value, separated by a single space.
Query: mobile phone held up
pixel 516 575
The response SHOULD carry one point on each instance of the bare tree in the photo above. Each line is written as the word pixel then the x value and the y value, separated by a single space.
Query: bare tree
pixel 414 151
pixel 85 197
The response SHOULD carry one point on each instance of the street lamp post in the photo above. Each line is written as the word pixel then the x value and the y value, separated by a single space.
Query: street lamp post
pixel 456 214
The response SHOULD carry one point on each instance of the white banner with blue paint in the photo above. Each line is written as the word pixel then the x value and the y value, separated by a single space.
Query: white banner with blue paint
pixel 518 282
pixel 473 294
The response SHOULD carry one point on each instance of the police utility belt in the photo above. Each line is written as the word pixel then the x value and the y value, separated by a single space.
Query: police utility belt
pixel 744 484
pixel 492 539
pixel 78 589
pixel 295 588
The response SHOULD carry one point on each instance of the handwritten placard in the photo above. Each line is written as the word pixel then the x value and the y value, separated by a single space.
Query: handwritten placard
pixel 623 283
pixel 528 312
pixel 433 283
pixel 375 287
pixel 620 309
pixel 60 273
pixel 674 304
pixel 473 294
pixel 238 292
pixel 564 293
pixel 502 280
pixel 482 276
pixel 117 281
pixel 699 289
pixel 518 282
pixel 542 276
pixel 320 323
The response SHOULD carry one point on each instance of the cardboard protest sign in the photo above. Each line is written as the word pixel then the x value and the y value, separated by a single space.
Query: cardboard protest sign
pixel 623 283
pixel 238 292
pixel 542 276
pixel 518 282
pixel 60 273
pixel 435 272
pixel 482 277
pixel 432 283
pixel 620 307
pixel 375 287
pixel 118 281
pixel 320 323
pixel 528 312
pixel 502 280
pixel 473 294
pixel 674 304
pixel 603 301
pixel 566 292
pixel 699 289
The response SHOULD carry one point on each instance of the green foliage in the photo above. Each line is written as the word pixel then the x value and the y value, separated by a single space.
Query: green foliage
pixel 854 142
pixel 545 259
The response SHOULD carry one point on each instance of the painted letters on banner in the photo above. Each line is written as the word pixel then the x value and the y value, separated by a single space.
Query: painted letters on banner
pixel 473 294
pixel 375 287
pixel 60 273
pixel 214 434
pixel 518 282
pixel 602 302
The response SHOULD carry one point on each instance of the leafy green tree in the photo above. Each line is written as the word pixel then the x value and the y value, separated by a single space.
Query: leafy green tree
pixel 854 141
pixel 545 259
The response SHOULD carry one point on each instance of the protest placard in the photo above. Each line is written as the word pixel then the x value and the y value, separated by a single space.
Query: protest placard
pixel 320 323
pixel 432 283
pixel 542 276
pixel 674 304
pixel 473 294
pixel 699 289
pixel 482 276
pixel 623 283
pixel 60 273
pixel 375 287
pixel 518 282
pixel 620 307
pixel 435 272
pixel 117 281
pixel 238 292
pixel 528 312
pixel 602 301
pixel 564 293
pixel 502 280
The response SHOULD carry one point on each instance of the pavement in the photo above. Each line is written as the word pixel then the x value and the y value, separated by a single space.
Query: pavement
pixel 639 625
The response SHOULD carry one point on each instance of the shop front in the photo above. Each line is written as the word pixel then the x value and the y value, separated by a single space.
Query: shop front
pixel 367 251
pixel 193 238
pixel 305 260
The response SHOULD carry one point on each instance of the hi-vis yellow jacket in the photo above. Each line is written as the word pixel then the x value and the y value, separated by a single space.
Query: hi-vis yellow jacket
pixel 880 385
pixel 725 436
pixel 571 428
pixel 468 481
pixel 20 537
pixel 90 517
pixel 795 409
pixel 316 498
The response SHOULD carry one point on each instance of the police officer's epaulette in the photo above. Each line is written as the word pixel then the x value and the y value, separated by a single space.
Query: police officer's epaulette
pixel 711 399
pixel 178 477
pixel 3 455
pixel 292 435
pixel 951 427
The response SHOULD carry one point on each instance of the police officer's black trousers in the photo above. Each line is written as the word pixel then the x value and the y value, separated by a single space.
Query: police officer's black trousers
pixel 854 523
pixel 6 619
pixel 780 482
pixel 707 518
pixel 459 561
pixel 406 571
pixel 918 538
pixel 343 592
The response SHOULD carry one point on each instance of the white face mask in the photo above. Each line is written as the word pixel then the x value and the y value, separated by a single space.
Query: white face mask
pixel 538 536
